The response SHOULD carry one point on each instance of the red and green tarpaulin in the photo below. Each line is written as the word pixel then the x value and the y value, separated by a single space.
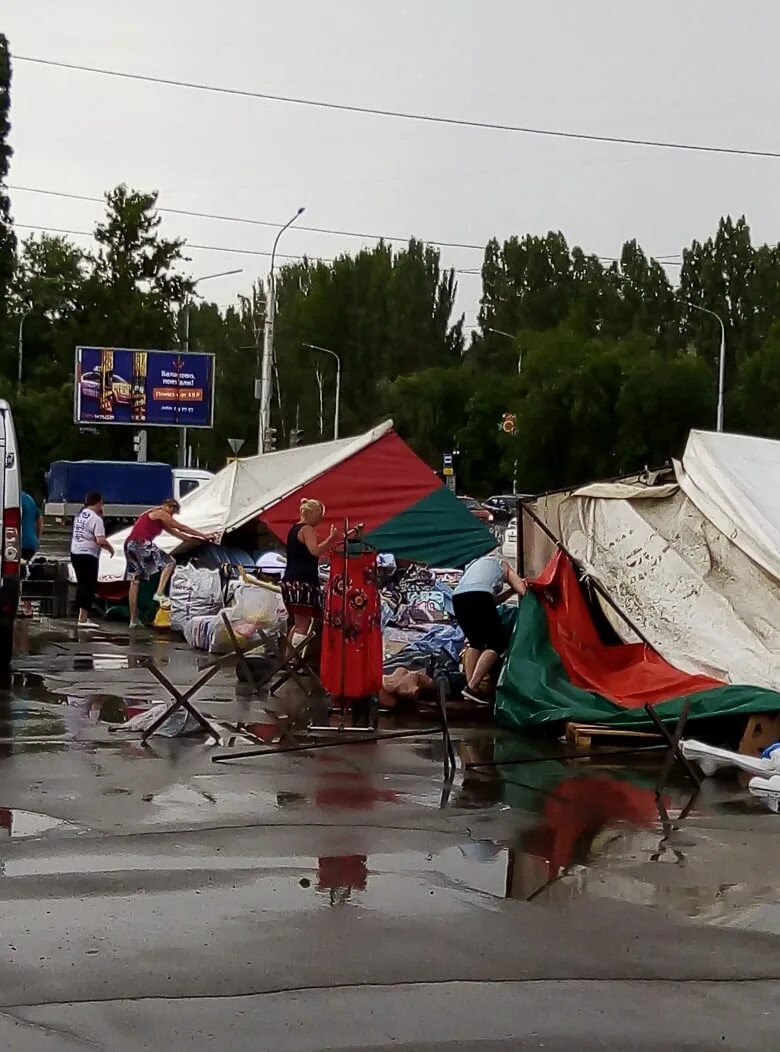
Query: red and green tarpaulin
pixel 374 479
pixel 559 669
pixel 404 507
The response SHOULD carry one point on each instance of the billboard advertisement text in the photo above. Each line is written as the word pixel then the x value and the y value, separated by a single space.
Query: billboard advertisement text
pixel 117 385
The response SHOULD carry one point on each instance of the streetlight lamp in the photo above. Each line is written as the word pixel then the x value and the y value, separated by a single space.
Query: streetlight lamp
pixel 186 346
pixel 20 351
pixel 500 332
pixel 20 340
pixel 264 416
pixel 327 350
pixel 721 361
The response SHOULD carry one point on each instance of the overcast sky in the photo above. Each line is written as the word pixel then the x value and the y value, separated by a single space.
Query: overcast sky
pixel 698 71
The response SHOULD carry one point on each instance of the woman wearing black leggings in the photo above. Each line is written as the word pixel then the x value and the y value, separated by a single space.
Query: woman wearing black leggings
pixel 89 536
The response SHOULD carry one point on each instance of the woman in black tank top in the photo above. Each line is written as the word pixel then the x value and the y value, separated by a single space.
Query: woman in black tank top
pixel 301 588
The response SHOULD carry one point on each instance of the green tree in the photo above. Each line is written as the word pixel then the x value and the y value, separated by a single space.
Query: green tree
pixel 385 313
pixel 7 237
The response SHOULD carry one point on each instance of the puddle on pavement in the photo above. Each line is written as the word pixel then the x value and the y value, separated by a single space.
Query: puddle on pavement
pixel 16 824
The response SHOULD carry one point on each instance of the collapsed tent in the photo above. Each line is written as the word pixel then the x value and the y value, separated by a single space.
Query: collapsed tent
pixel 558 669
pixel 373 479
pixel 695 565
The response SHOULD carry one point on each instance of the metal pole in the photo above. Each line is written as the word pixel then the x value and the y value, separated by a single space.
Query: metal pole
pixel 721 362
pixel 20 353
pixel 185 348
pixel 501 332
pixel 337 408
pixel 264 416
pixel 338 398
pixel 721 376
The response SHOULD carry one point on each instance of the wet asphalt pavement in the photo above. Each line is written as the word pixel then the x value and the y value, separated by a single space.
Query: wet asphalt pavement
pixel 350 898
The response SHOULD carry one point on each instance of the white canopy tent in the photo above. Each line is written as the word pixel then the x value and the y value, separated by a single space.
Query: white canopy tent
pixel 696 566
pixel 246 488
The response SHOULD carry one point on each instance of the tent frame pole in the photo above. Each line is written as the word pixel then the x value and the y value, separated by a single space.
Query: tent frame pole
pixel 593 580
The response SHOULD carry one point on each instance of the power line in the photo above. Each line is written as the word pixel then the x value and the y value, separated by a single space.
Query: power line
pixel 201 248
pixel 187 244
pixel 403 115
pixel 469 272
pixel 244 219
pixel 310 229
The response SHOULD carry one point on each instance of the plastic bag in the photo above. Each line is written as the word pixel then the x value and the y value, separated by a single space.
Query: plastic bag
pixel 199 632
pixel 194 593
pixel 254 608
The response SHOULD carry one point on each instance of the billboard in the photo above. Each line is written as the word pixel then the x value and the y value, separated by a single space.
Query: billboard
pixel 117 385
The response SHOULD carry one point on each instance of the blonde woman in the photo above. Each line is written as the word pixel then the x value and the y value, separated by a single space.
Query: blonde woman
pixel 301 588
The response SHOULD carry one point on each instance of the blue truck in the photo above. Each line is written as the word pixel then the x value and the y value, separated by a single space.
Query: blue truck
pixel 128 487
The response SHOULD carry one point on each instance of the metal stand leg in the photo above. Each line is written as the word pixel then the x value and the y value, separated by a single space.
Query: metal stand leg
pixel 182 701
pixel 674 752
pixel 449 751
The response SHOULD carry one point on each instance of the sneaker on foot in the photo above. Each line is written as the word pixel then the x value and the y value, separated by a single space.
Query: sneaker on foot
pixel 88 624
pixel 476 697
pixel 136 624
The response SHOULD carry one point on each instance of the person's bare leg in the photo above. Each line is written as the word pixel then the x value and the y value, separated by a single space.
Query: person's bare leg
pixel 470 658
pixel 132 600
pixel 487 660
pixel 165 577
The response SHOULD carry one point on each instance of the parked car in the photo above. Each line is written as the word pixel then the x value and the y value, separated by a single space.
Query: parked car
pixel 478 510
pixel 10 502
pixel 503 506
pixel 509 543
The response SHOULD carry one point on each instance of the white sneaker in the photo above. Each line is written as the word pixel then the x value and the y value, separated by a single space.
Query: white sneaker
pixel 87 624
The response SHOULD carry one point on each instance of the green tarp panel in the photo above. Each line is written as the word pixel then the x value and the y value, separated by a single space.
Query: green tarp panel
pixel 534 689
pixel 438 530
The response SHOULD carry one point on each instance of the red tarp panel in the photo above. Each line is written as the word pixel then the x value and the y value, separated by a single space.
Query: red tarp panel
pixel 630 674
pixel 394 477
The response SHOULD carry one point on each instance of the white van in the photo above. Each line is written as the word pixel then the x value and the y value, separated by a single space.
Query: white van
pixel 10 502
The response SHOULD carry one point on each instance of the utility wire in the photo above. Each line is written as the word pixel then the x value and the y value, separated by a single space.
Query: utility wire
pixel 469 272
pixel 310 229
pixel 251 222
pixel 403 115
pixel 187 244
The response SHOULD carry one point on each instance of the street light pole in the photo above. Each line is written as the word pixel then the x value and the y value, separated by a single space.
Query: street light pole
pixel 509 336
pixel 337 409
pixel 721 361
pixel 266 366
pixel 20 352
pixel 186 346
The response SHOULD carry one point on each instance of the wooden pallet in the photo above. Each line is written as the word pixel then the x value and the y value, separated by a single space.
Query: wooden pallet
pixel 582 735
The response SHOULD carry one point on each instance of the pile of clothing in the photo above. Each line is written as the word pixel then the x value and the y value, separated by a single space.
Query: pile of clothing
pixel 418 625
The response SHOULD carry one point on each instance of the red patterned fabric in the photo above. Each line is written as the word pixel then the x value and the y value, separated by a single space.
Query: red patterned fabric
pixel 351 664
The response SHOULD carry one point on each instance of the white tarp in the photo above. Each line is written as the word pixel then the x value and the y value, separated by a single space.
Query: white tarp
pixel 246 488
pixel 734 481
pixel 693 568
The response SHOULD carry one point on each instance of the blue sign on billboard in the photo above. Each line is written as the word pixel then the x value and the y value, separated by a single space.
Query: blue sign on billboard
pixel 116 385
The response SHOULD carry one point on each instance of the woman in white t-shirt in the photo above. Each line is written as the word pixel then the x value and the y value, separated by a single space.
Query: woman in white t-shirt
pixel 89 536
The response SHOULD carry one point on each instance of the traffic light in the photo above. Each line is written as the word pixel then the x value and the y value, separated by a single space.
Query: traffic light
pixel 270 440
pixel 295 437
